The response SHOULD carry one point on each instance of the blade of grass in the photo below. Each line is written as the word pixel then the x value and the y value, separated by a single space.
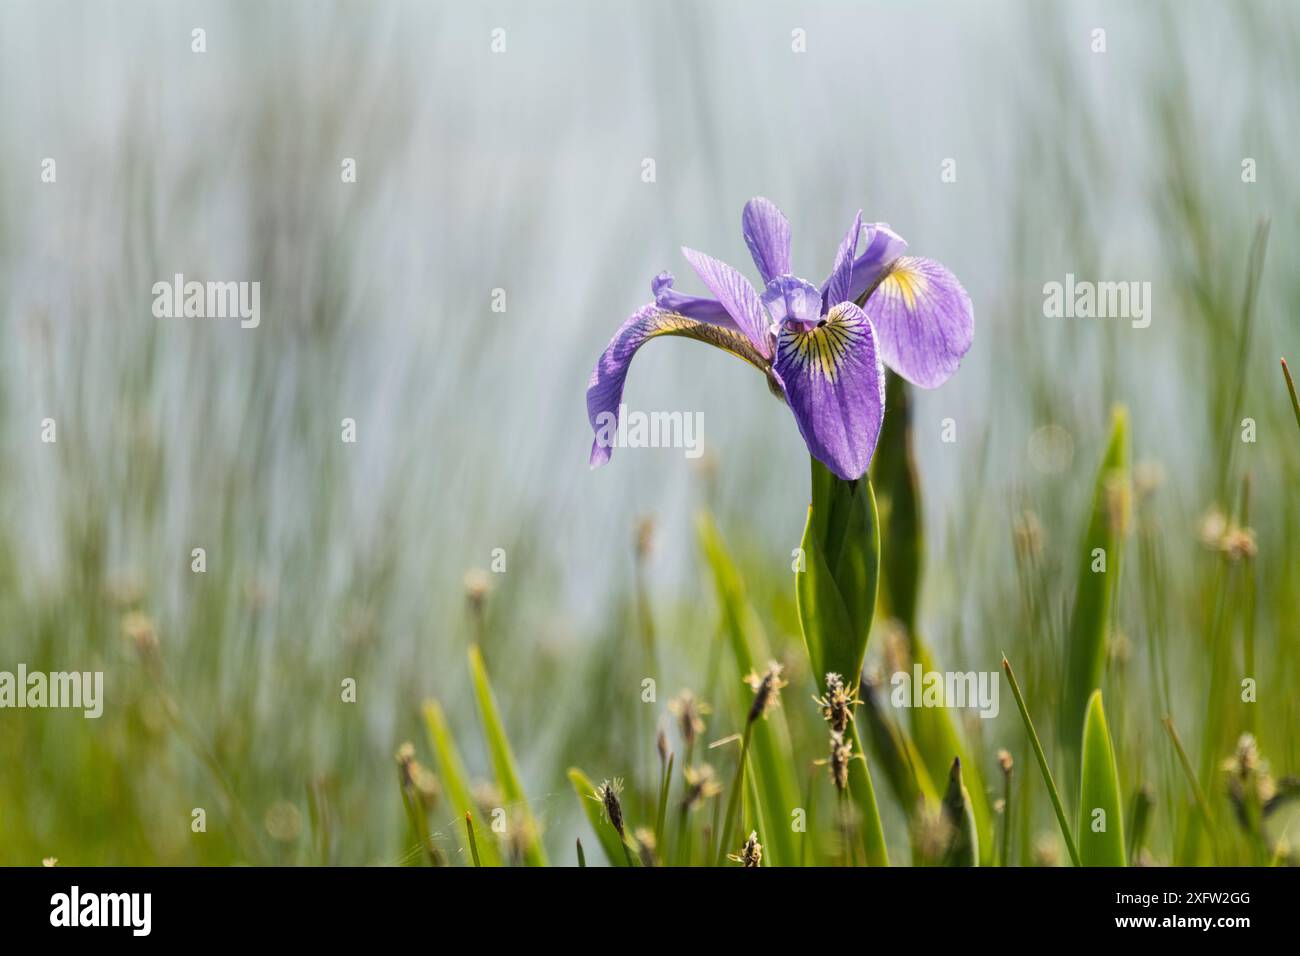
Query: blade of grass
pixel 473 844
pixel 503 759
pixel 1197 794
pixel 733 798
pixel 963 849
pixel 1099 792
pixel 451 773
pixel 1290 387
pixel 1042 763
pixel 774 766
pixel 1096 584
pixel 663 800
pixel 582 857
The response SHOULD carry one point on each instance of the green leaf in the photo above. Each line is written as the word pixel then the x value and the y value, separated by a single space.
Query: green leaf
pixel 963 846
pixel 1095 588
pixel 452 775
pixel 1099 800
pixel 897 487
pixel 836 597
pixel 771 755
pixel 503 759
pixel 605 832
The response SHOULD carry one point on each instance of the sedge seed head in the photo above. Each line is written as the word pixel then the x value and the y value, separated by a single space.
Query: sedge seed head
pixel 751 854
pixel 607 796
pixel 767 690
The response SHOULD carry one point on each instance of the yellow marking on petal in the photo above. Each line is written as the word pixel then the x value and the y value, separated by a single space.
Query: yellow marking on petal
pixel 905 282
pixel 824 348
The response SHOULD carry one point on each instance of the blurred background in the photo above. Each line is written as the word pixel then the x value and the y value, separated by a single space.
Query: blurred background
pixel 522 170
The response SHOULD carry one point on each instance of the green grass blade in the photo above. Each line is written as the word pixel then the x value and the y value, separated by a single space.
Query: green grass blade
pixel 1290 387
pixel 1101 813
pixel 473 843
pixel 451 774
pixel 963 847
pixel 503 759
pixel 612 846
pixel 662 811
pixel 1096 585
pixel 1042 764
pixel 582 857
pixel 729 829
pixel 770 751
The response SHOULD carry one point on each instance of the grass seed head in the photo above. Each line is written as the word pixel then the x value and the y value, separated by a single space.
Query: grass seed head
pixel 701 785
pixel 767 690
pixel 751 854
pixel 690 713
pixel 607 796
pixel 841 754
pixel 1004 761
pixel 644 838
pixel 837 704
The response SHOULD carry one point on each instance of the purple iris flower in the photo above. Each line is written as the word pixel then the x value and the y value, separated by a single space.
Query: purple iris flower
pixel 823 349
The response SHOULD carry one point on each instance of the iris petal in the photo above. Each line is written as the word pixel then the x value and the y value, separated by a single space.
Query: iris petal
pixel 883 246
pixel 736 295
pixel 924 321
pixel 605 387
pixel 839 286
pixel 767 233
pixel 691 306
pixel 835 385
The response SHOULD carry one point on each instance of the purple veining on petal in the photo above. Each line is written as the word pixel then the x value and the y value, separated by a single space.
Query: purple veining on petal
pixel 767 233
pixel 924 321
pixel 691 306
pixel 736 295
pixel 835 386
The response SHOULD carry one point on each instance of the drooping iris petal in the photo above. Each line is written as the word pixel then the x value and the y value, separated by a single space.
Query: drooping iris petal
pixel 736 295
pixel 691 306
pixel 839 286
pixel 924 321
pixel 883 246
pixel 767 233
pixel 835 385
pixel 791 299
pixel 605 387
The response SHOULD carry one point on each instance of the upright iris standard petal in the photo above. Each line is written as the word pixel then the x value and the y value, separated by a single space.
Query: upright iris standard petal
pixel 883 246
pixel 691 306
pixel 736 295
pixel 924 321
pixel 605 387
pixel 839 287
pixel 767 233
pixel 835 385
